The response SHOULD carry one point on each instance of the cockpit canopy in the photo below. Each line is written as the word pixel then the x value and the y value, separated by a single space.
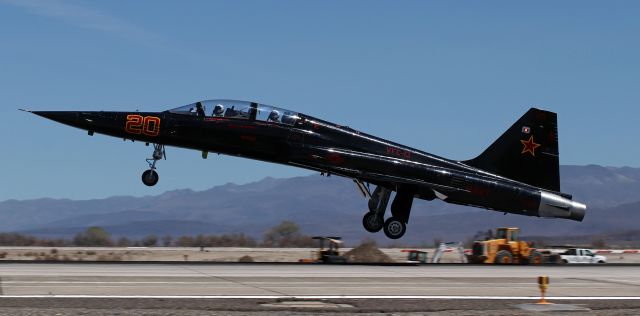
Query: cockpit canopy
pixel 238 110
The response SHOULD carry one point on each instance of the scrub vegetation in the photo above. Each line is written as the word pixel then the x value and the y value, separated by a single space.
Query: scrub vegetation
pixel 285 234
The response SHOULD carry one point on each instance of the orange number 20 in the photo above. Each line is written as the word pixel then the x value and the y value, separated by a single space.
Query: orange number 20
pixel 147 125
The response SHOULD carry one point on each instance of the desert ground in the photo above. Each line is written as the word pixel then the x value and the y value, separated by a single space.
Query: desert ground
pixel 214 254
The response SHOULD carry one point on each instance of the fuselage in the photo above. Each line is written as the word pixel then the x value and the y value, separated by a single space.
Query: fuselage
pixel 311 143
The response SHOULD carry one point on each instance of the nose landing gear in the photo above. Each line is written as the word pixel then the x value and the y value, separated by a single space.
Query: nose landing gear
pixel 151 177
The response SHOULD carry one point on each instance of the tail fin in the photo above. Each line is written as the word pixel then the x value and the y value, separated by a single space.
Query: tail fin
pixel 526 152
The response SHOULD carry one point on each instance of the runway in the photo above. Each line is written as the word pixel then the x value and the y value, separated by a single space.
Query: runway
pixel 319 281
pixel 278 289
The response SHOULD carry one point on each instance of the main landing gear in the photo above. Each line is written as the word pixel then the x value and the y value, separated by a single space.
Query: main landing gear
pixel 150 177
pixel 396 225
pixel 374 219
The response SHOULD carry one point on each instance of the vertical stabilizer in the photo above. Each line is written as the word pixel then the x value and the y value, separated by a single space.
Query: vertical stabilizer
pixel 526 152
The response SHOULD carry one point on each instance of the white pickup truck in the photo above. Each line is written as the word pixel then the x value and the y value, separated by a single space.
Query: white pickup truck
pixel 579 255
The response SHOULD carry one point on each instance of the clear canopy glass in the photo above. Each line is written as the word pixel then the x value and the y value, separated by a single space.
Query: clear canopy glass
pixel 238 110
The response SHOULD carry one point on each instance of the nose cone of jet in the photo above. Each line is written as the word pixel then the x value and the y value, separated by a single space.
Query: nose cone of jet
pixel 71 118
pixel 58 116
pixel 109 123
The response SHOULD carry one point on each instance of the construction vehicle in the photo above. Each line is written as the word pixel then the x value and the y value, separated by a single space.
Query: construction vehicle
pixel 415 256
pixel 449 247
pixel 330 254
pixel 505 248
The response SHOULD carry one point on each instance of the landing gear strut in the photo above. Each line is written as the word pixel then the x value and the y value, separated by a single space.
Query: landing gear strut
pixel 374 219
pixel 150 177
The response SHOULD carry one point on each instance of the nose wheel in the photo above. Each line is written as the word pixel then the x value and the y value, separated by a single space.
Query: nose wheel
pixel 151 177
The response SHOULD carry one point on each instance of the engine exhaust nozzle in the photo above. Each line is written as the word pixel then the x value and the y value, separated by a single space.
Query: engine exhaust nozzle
pixel 555 206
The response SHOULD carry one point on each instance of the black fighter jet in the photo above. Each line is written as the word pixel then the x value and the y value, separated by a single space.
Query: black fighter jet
pixel 518 173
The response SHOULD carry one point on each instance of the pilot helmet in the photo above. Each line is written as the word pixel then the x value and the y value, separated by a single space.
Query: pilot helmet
pixel 218 109
pixel 274 115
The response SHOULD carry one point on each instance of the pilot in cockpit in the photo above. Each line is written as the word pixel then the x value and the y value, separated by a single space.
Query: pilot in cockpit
pixel 274 116
pixel 199 109
pixel 218 110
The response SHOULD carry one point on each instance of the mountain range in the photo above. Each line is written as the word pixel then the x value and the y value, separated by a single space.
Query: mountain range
pixel 321 206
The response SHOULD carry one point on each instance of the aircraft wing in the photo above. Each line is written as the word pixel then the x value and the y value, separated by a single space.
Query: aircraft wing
pixel 438 188
pixel 334 157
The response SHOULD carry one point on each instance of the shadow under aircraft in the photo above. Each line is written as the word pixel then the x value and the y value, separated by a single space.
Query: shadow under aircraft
pixel 518 173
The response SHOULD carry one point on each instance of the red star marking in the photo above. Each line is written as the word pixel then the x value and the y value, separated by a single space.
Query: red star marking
pixel 529 146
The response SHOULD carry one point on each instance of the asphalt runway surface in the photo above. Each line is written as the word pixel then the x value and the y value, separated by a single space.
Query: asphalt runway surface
pixel 268 289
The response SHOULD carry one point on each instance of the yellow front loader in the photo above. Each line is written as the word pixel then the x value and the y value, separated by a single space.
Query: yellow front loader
pixel 505 248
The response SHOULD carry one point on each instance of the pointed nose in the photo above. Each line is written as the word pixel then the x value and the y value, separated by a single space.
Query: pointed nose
pixel 72 118
pixel 64 117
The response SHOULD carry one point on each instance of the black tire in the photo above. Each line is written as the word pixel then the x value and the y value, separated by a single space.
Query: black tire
pixel 475 259
pixel 372 222
pixel 535 257
pixel 150 178
pixel 504 257
pixel 394 228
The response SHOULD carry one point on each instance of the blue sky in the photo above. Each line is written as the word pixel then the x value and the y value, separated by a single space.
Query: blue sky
pixel 447 77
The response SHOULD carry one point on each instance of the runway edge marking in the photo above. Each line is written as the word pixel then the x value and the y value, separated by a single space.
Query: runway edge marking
pixel 454 297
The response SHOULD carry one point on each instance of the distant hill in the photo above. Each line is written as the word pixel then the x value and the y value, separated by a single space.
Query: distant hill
pixel 321 205
pixel 601 186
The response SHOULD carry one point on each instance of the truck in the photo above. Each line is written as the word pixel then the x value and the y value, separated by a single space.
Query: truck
pixel 580 255
pixel 330 254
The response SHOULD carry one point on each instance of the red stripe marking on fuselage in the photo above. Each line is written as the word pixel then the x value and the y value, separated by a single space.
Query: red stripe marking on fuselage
pixel 215 119
pixel 242 126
